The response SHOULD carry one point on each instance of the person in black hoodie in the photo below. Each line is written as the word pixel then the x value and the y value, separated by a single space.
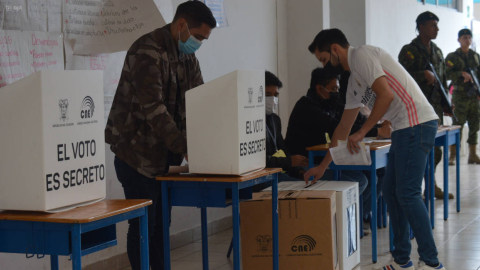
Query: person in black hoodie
pixel 314 119
pixel 277 154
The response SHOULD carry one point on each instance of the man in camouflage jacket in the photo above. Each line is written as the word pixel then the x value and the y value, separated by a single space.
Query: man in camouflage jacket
pixel 415 58
pixel 146 128
pixel 467 107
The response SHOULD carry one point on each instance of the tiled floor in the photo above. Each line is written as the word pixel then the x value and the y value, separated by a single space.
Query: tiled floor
pixel 458 239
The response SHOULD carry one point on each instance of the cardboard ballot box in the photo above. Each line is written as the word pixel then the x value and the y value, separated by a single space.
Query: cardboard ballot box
pixel 348 213
pixel 226 124
pixel 307 231
pixel 52 153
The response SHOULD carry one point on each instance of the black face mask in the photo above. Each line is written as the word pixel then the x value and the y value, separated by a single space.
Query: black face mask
pixel 334 70
pixel 334 96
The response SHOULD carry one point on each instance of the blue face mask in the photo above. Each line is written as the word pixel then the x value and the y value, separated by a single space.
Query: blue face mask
pixel 190 46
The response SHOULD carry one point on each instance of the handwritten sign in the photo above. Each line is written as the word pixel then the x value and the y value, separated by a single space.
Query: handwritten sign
pixel 31 15
pixel 108 26
pixel 24 52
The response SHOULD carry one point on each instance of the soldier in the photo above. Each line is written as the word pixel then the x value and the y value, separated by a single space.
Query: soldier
pixel 467 106
pixel 146 128
pixel 415 58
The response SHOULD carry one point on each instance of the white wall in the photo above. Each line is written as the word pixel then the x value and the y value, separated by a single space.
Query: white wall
pixel 349 16
pixel 305 20
pixel 391 24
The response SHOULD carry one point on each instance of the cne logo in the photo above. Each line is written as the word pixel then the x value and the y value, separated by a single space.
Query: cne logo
pixel 303 243
pixel 87 108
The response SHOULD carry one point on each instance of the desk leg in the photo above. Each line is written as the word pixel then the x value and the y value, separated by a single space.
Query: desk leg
pixel 236 227
pixel 457 140
pixel 445 179
pixel 361 216
pixel 275 221
pixel 76 247
pixel 373 179
pixel 204 238
pixel 166 225
pixel 432 187
pixel 144 250
pixel 54 262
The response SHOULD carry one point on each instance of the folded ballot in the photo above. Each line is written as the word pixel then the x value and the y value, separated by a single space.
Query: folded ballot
pixel 341 155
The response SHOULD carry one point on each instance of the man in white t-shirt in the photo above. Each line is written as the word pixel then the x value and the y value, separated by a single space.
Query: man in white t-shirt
pixel 380 83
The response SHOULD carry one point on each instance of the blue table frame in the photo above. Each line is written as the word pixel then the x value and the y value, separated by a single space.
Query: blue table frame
pixel 74 233
pixel 216 191
pixel 379 160
pixel 446 136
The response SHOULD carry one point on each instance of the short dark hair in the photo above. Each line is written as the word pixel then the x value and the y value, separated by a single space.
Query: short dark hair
pixel 324 40
pixel 272 80
pixel 322 77
pixel 195 13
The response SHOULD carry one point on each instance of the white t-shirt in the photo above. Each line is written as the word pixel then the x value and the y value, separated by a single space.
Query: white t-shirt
pixel 409 107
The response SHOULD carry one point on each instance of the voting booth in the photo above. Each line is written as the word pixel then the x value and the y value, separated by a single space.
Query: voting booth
pixel 348 215
pixel 226 124
pixel 52 155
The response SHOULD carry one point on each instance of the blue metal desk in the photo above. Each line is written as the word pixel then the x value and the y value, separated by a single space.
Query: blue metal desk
pixel 446 136
pixel 76 233
pixel 204 191
pixel 379 154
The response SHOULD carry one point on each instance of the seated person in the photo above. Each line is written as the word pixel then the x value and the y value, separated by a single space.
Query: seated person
pixel 314 119
pixel 277 154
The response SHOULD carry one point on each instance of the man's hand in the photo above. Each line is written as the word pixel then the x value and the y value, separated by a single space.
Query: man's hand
pixel 299 161
pixel 429 76
pixel 316 172
pixel 353 140
pixel 467 77
pixel 384 132
pixel 449 114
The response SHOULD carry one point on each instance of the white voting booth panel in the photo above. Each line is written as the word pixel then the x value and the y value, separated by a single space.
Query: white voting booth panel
pixel 348 216
pixel 52 155
pixel 226 124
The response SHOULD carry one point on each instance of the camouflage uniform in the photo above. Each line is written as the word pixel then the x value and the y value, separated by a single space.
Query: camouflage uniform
pixel 146 125
pixel 413 58
pixel 467 106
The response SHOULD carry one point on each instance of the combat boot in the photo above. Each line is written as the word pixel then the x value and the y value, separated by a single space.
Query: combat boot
pixel 453 154
pixel 472 156
pixel 439 193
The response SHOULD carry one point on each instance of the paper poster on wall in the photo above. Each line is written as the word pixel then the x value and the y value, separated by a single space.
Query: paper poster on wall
pixel 108 26
pixel 218 9
pixel 31 15
pixel 25 52
pixel 110 63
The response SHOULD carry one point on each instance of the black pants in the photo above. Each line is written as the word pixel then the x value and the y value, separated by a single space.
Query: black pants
pixel 138 186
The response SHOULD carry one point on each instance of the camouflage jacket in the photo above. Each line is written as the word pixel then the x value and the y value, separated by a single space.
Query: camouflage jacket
pixel 146 125
pixel 457 62
pixel 414 58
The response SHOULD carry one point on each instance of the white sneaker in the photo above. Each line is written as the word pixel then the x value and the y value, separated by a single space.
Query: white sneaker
pixel 366 228
pixel 423 266
pixel 392 265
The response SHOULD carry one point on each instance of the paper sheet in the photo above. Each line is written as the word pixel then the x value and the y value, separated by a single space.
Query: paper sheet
pixel 108 26
pixel 341 155
pixel 25 52
pixel 31 15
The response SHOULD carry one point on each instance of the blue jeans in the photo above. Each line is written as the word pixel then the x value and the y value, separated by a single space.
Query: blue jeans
pixel 138 186
pixel 402 190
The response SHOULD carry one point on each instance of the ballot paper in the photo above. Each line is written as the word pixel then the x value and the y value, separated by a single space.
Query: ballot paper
pixel 341 155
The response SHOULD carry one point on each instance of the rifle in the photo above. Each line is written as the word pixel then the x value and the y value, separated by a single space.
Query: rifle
pixel 438 87
pixel 475 89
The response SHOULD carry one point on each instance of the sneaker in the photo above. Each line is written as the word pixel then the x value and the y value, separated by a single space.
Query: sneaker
pixel 366 228
pixel 423 266
pixel 392 265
